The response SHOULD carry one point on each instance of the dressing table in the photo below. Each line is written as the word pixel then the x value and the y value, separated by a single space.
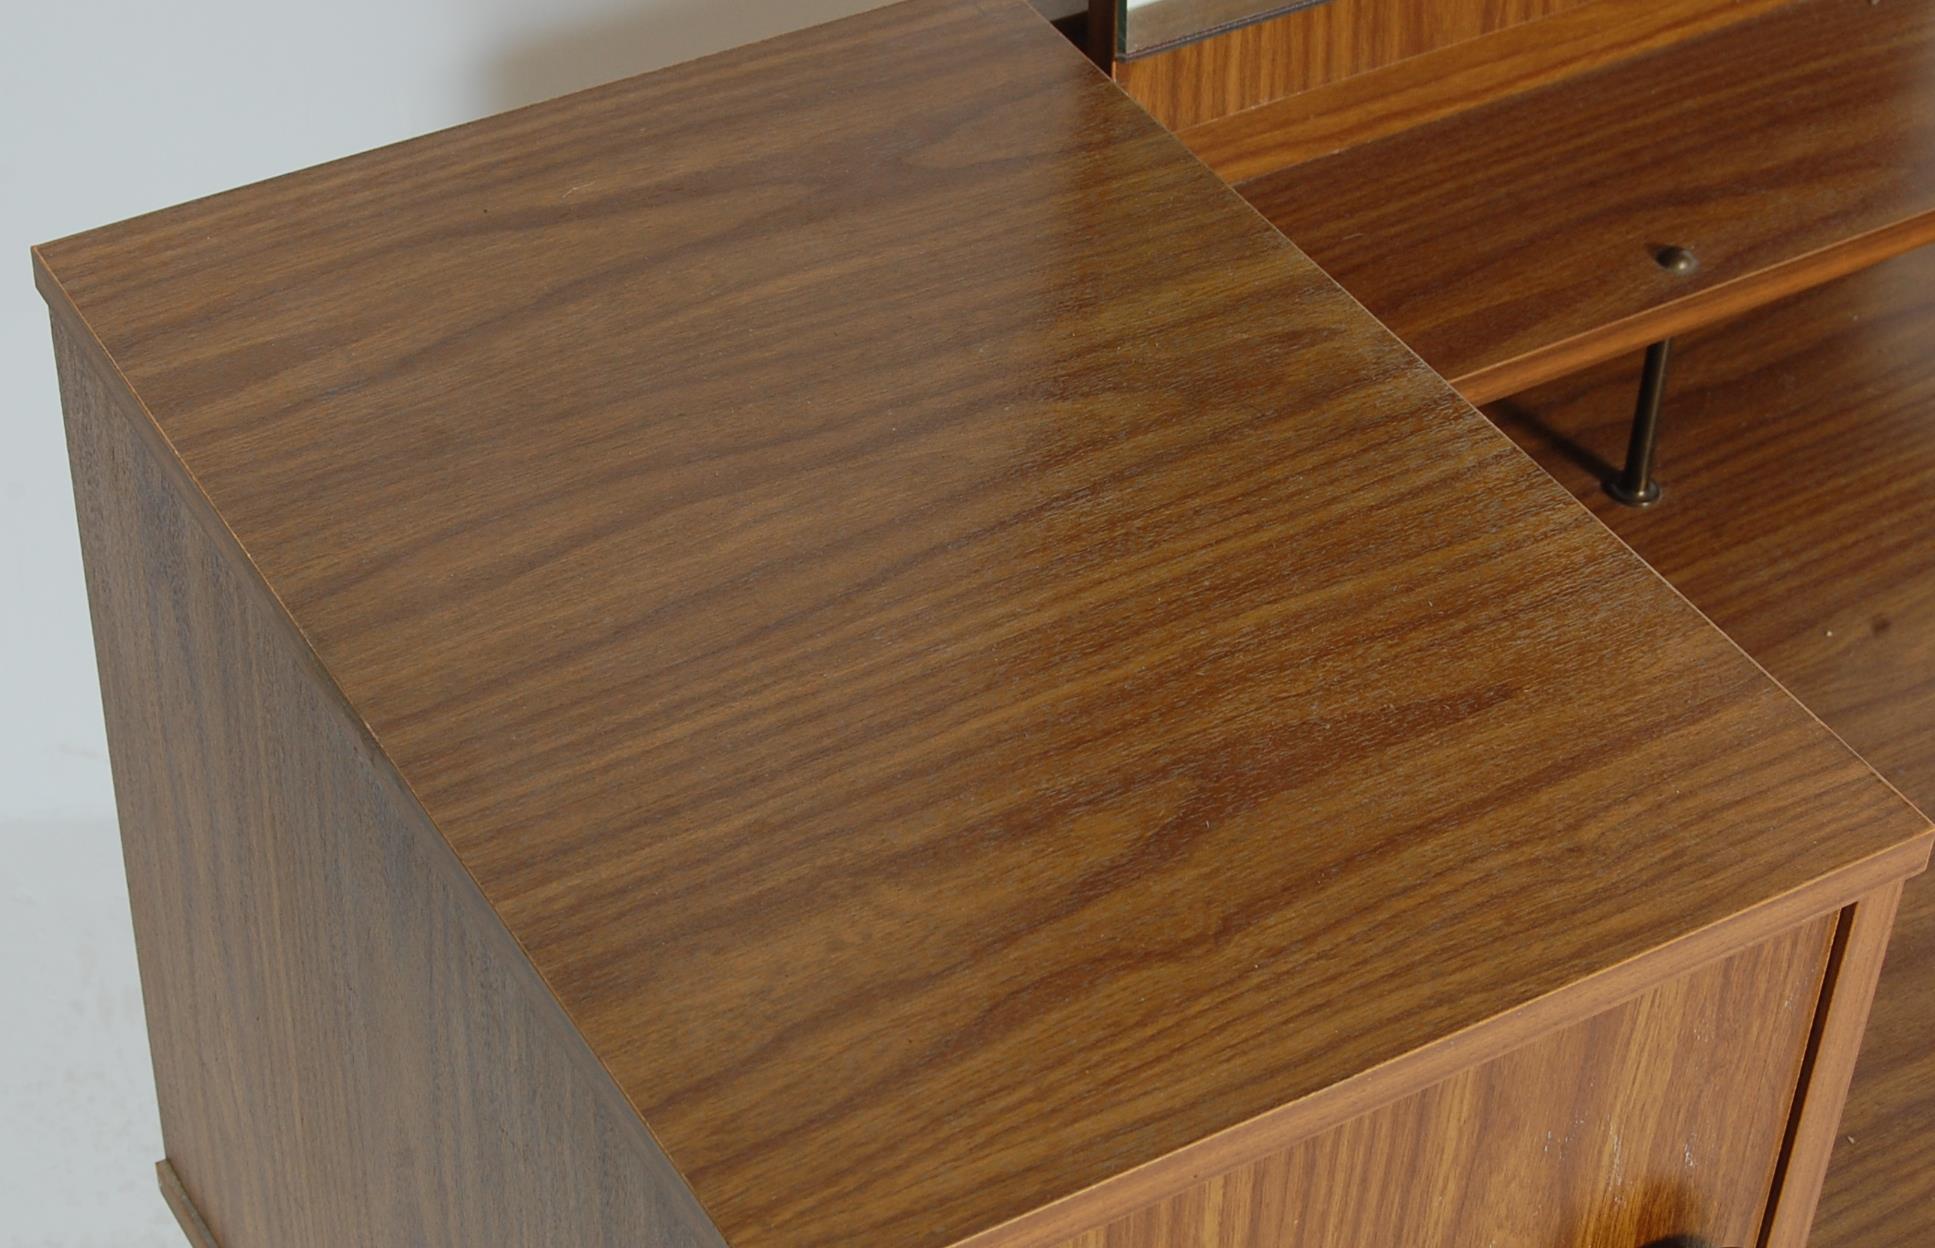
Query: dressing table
pixel 839 645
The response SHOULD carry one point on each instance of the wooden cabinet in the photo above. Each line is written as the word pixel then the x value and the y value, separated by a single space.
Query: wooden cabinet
pixel 838 646
pixel 1832 589
pixel 1660 1119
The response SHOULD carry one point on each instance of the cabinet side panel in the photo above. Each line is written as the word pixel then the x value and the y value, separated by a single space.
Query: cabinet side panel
pixel 1661 1117
pixel 349 1049
pixel 1850 992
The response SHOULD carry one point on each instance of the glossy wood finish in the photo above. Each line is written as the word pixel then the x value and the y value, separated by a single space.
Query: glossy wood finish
pixel 1517 242
pixel 1431 86
pixel 1880 1186
pixel 1267 60
pixel 940 776
pixel 1858 953
pixel 1826 578
pixel 1660 1117
pixel 347 1051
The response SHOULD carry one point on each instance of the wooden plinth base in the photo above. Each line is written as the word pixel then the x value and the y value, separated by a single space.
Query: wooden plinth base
pixel 185 1212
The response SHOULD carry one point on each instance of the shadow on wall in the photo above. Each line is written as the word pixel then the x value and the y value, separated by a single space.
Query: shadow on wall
pixel 647 35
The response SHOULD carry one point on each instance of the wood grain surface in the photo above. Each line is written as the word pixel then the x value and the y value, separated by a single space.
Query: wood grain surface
pixel 1799 461
pixel 1434 85
pixel 1662 1117
pixel 347 1049
pixel 1325 43
pixel 1859 949
pixel 1880 1186
pixel 967 663
pixel 1516 242
pixel 187 1216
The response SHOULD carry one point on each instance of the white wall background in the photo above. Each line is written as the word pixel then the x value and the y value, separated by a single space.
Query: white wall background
pixel 110 108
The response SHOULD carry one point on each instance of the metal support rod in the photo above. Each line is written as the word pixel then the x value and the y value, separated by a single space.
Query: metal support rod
pixel 1634 486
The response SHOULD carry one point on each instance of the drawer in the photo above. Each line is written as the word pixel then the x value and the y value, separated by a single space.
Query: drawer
pixel 1661 1120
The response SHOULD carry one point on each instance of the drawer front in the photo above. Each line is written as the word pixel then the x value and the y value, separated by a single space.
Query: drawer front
pixel 1659 1120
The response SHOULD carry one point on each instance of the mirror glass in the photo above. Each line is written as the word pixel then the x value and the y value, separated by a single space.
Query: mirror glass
pixel 1150 25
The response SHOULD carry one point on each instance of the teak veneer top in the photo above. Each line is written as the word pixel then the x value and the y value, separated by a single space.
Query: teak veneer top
pixel 968 663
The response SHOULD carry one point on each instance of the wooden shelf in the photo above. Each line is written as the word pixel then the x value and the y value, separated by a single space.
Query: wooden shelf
pixel 1799 462
pixel 1517 241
